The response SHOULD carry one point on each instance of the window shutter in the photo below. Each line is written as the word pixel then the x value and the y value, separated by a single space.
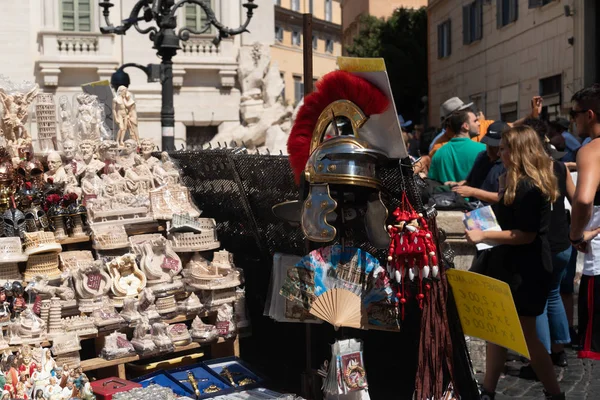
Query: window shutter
pixel 440 40
pixel 449 38
pixel 515 10
pixel 466 24
pixel 499 13
pixel 479 19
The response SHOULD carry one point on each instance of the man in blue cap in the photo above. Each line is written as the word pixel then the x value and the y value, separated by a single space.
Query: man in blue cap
pixel 482 181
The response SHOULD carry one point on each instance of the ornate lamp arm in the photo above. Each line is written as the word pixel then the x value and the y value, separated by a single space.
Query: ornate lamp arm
pixel 224 31
pixel 129 22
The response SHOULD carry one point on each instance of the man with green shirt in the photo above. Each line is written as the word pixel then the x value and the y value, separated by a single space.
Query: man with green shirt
pixel 453 161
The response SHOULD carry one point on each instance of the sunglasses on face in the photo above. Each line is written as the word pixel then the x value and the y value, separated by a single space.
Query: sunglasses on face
pixel 573 113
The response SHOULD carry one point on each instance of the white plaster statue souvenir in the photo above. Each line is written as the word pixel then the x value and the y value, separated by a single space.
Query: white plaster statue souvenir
pixel 203 333
pixel 87 149
pixel 116 346
pixel 91 184
pixel 80 324
pixel 147 146
pixel 90 118
pixel 226 322
pixel 69 150
pixel 166 173
pixel 160 337
pixel 125 115
pixel 92 283
pixel 128 280
pixel 130 312
pixel 140 175
pixel 71 184
pixel 190 305
pixel 158 261
pixel 126 158
pixel 109 153
pixel 142 339
pixel 65 114
pixel 179 335
pixel 55 169
pixel 15 113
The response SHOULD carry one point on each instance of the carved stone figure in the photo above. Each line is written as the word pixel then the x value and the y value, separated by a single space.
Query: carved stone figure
pixel 90 118
pixel 109 152
pixel 126 159
pixel 125 115
pixel 147 147
pixel 87 148
pixel 16 112
pixel 55 169
pixel 66 119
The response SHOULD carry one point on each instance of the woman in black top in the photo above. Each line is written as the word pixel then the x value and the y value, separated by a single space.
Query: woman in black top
pixel 522 256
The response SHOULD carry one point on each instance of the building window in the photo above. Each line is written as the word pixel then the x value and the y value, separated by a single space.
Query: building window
pixel 329 46
pixel 539 3
pixel 277 2
pixel 298 89
pixel 508 112
pixel 296 41
pixel 473 22
pixel 328 10
pixel 315 43
pixel 507 11
pixel 310 6
pixel 197 136
pixel 279 34
pixel 551 92
pixel 76 15
pixel 295 5
pixel 195 17
pixel 444 39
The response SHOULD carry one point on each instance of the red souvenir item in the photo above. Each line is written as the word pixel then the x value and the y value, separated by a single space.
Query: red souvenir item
pixel 412 252
pixel 104 389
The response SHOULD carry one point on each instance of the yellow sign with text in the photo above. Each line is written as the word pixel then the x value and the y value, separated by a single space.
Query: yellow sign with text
pixel 487 310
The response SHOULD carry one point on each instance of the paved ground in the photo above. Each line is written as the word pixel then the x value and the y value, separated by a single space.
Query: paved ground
pixel 580 380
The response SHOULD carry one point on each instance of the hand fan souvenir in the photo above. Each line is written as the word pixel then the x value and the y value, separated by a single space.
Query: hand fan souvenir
pixel 330 283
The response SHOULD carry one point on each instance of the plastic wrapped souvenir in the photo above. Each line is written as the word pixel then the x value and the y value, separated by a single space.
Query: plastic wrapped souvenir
pixel 226 322
pixel 117 346
pixel 179 335
pixel 142 339
pixel 203 333
pixel 158 261
pixel 107 317
pixel 130 312
pixel 160 337
pixel 128 280
pixel 190 305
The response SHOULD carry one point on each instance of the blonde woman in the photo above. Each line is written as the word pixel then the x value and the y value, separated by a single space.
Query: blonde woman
pixel 521 256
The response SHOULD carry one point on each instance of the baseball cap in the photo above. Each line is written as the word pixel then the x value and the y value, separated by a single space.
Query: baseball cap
pixel 451 105
pixel 494 133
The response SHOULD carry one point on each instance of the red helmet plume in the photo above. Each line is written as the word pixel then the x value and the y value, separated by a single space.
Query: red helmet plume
pixel 336 85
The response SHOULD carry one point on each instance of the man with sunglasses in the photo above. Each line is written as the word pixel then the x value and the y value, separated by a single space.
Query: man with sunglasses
pixel 585 217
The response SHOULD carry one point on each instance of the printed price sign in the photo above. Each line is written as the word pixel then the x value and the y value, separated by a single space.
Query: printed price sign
pixel 487 310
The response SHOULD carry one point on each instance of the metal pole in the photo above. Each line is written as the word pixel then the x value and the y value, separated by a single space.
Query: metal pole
pixel 308 53
pixel 308 88
pixel 167 111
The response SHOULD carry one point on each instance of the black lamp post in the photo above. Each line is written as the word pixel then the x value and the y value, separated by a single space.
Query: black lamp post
pixel 166 42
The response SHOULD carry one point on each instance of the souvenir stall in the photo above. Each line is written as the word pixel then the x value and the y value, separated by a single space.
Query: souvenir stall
pixel 107 268
pixel 338 249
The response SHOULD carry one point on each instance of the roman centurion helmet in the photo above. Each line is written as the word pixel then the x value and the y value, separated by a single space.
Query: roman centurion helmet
pixel 326 150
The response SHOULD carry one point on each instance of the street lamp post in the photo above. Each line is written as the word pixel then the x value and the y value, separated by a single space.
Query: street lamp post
pixel 166 42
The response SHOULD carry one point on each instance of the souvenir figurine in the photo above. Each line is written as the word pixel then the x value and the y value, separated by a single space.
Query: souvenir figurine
pixel 56 171
pixel 147 147
pixel 18 303
pixel 26 363
pixel 109 152
pixel 23 386
pixel 15 113
pixel 126 159
pixel 88 148
pixel 66 119
pixel 125 115
pixel 12 374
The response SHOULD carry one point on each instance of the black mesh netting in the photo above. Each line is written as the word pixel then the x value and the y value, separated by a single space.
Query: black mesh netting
pixel 239 190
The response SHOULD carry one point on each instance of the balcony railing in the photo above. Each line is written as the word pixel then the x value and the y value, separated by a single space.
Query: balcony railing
pixel 77 47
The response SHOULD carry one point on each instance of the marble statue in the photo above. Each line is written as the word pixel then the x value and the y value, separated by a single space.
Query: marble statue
pixel 125 115
pixel 147 147
pixel 265 119
pixel 67 132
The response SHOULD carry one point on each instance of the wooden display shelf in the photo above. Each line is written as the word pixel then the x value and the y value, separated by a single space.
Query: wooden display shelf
pixel 94 364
